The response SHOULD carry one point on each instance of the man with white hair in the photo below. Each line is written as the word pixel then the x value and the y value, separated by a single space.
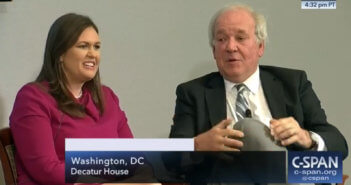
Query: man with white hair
pixel 282 99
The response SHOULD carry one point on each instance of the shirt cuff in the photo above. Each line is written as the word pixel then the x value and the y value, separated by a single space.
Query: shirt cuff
pixel 319 141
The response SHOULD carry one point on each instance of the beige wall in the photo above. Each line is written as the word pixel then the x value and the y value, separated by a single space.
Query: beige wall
pixel 150 46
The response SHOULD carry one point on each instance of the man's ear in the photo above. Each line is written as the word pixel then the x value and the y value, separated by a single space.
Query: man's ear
pixel 261 47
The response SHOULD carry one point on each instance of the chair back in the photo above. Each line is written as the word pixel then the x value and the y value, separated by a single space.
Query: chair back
pixel 7 156
pixel 344 177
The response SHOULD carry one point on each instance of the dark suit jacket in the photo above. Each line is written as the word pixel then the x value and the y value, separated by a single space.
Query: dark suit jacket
pixel 201 103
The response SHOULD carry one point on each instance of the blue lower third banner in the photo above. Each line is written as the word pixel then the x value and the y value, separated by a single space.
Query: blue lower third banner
pixel 184 167
pixel 166 161
pixel 314 167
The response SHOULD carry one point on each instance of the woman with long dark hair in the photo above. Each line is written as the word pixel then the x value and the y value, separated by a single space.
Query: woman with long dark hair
pixel 66 100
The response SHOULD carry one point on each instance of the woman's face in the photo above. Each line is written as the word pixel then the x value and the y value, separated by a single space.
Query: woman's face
pixel 81 62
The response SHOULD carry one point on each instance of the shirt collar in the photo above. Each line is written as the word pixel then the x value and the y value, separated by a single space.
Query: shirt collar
pixel 252 83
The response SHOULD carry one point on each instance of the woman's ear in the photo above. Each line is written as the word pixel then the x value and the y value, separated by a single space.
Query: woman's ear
pixel 61 58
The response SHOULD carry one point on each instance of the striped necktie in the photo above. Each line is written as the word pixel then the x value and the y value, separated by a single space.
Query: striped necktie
pixel 241 104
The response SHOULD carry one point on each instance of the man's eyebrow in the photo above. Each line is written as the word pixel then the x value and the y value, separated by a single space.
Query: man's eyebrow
pixel 241 31
pixel 221 31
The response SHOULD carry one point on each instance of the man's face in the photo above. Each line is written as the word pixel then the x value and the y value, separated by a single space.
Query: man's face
pixel 235 47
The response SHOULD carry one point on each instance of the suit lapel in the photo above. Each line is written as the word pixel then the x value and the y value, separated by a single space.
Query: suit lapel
pixel 215 99
pixel 273 91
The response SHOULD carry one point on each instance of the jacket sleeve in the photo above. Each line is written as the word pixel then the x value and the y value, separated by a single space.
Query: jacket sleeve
pixel 31 129
pixel 184 118
pixel 315 119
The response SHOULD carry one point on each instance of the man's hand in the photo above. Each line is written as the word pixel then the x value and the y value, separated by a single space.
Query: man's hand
pixel 219 138
pixel 288 131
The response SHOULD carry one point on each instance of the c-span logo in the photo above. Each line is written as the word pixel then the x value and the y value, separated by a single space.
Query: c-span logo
pixel 314 167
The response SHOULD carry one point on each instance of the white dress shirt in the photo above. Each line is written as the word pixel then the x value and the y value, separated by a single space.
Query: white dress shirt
pixel 257 104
